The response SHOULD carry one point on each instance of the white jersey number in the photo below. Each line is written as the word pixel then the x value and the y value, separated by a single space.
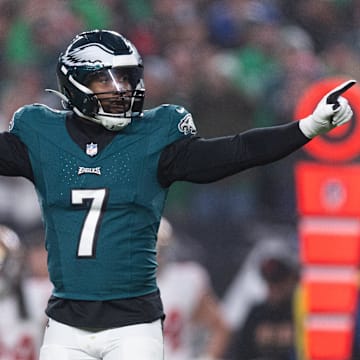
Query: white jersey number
pixel 95 200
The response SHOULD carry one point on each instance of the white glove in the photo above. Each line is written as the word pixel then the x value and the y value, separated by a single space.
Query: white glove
pixel 333 110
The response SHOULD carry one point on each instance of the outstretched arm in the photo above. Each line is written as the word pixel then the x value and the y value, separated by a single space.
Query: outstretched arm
pixel 203 161
pixel 206 160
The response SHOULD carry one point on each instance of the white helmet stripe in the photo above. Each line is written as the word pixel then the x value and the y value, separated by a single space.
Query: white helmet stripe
pixel 125 60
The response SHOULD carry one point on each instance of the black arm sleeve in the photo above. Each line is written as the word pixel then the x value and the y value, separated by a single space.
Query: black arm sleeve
pixel 14 157
pixel 202 161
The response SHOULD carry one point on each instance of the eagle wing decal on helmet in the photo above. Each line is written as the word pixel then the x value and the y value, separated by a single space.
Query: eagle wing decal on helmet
pixel 89 55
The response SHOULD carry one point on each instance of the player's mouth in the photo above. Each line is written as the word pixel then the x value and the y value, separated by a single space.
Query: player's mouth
pixel 116 104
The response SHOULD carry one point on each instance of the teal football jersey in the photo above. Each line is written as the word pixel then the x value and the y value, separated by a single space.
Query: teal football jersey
pixel 101 212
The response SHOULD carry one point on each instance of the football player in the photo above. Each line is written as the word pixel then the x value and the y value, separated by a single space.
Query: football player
pixel 21 324
pixel 197 311
pixel 102 169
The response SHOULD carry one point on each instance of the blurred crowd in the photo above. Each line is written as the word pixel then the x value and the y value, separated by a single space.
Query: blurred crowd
pixel 235 64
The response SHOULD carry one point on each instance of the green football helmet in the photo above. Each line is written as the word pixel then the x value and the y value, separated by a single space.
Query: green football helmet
pixel 100 54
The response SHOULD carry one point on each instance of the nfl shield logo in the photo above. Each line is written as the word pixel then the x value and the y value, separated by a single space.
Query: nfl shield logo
pixel 91 149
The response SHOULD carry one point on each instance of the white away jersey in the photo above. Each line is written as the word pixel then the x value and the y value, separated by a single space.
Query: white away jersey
pixel 20 339
pixel 181 285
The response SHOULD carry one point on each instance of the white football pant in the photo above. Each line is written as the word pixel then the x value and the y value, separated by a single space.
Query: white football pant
pixel 134 342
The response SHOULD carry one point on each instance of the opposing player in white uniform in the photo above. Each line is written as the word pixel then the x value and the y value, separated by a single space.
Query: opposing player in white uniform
pixel 22 318
pixel 193 327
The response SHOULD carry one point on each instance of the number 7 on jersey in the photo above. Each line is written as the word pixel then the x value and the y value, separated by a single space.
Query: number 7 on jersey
pixel 95 200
